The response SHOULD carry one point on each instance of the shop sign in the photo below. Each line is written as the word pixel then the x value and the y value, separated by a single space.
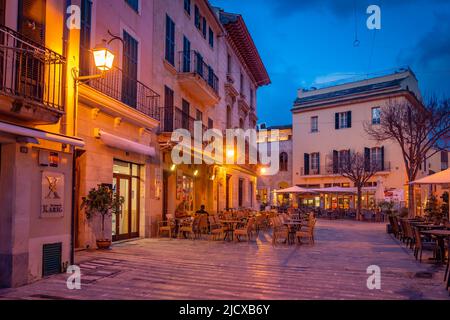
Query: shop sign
pixel 52 197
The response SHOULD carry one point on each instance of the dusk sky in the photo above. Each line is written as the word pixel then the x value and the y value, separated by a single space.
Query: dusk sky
pixel 309 42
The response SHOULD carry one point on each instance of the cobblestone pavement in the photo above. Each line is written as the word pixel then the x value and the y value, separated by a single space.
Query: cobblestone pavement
pixel 334 268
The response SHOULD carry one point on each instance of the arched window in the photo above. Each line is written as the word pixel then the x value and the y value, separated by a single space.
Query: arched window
pixel 283 161
pixel 241 123
pixel 229 124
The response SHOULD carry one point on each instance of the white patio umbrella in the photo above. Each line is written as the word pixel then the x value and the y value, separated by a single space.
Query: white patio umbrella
pixel 442 177
pixel 379 192
pixel 295 189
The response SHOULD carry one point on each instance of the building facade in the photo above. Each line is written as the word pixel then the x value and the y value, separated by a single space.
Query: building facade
pixel 267 184
pixel 205 72
pixel 328 122
pixel 66 126
pixel 37 142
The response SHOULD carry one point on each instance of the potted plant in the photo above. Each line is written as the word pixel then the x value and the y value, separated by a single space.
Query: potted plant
pixel 104 202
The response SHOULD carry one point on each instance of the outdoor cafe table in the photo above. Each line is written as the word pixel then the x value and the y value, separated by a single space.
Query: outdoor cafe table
pixel 231 226
pixel 293 226
pixel 428 226
pixel 440 235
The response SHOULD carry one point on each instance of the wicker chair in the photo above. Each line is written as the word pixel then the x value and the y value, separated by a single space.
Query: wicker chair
pixel 216 228
pixel 308 233
pixel 167 226
pixel 247 230
pixel 190 227
pixel 280 231
pixel 421 245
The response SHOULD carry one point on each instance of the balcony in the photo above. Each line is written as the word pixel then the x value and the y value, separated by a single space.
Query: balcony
pixel 243 104
pixel 118 85
pixel 198 78
pixel 173 118
pixel 31 80
pixel 330 170
pixel 230 88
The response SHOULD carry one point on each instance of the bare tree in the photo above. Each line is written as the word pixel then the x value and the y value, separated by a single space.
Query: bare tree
pixel 420 130
pixel 358 169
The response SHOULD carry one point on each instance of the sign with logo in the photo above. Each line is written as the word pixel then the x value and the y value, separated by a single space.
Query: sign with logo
pixel 52 198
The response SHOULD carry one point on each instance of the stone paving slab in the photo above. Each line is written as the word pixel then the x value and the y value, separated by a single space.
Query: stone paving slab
pixel 334 268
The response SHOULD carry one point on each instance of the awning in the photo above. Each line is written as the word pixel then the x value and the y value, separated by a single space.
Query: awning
pixel 124 144
pixel 39 134
pixel 442 177
pixel 344 190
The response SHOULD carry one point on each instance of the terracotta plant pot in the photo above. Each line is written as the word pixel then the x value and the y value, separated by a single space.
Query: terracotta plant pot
pixel 103 244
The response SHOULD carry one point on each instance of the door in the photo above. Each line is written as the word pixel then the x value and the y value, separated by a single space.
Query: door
pixel 125 225
pixel 185 115
pixel 227 192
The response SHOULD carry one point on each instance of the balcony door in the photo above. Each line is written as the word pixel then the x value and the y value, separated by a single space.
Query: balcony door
pixel 185 115
pixel 31 70
pixel 130 67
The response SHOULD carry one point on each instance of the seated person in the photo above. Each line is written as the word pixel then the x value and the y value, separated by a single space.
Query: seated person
pixel 202 210
pixel 180 211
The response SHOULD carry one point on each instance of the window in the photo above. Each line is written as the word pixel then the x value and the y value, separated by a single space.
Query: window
pixel 186 54
pixel 85 37
pixel 170 41
pixel 241 192
pixel 315 124
pixel 251 97
pixel 199 115
pixel 250 192
pixel 241 123
pixel 343 158
pixel 229 121
pixel 197 17
pixel 204 27
pixel 185 123
pixel 168 109
pixel 229 64
pixel 210 123
pixel 211 38
pixel 376 157
pixel 315 163
pixel 283 161
pixel 376 115
pixel 32 13
pixel 343 120
pixel 130 67
pixel 187 6
pixel 241 78
pixel 134 4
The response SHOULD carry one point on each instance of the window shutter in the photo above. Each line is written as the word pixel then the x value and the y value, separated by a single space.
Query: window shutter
pixel 349 119
pixel 306 164
pixel 367 159
pixel 335 161
pixel 382 159
pixel 318 163
pixel 2 11
pixel 336 121
pixel 32 20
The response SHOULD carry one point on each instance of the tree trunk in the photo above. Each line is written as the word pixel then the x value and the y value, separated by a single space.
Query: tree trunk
pixel 103 227
pixel 358 203
pixel 411 204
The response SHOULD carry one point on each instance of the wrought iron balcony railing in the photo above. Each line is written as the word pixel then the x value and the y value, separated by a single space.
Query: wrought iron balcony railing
pixel 173 118
pixel 118 85
pixel 30 72
pixel 192 62
pixel 336 170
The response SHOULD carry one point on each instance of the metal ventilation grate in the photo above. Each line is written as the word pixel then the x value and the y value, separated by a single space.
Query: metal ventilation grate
pixel 51 259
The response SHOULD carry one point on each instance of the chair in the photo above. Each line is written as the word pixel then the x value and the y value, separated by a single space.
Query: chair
pixel 308 233
pixel 203 227
pixel 247 230
pixel 216 228
pixel 280 231
pixel 421 245
pixel 190 227
pixel 167 226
